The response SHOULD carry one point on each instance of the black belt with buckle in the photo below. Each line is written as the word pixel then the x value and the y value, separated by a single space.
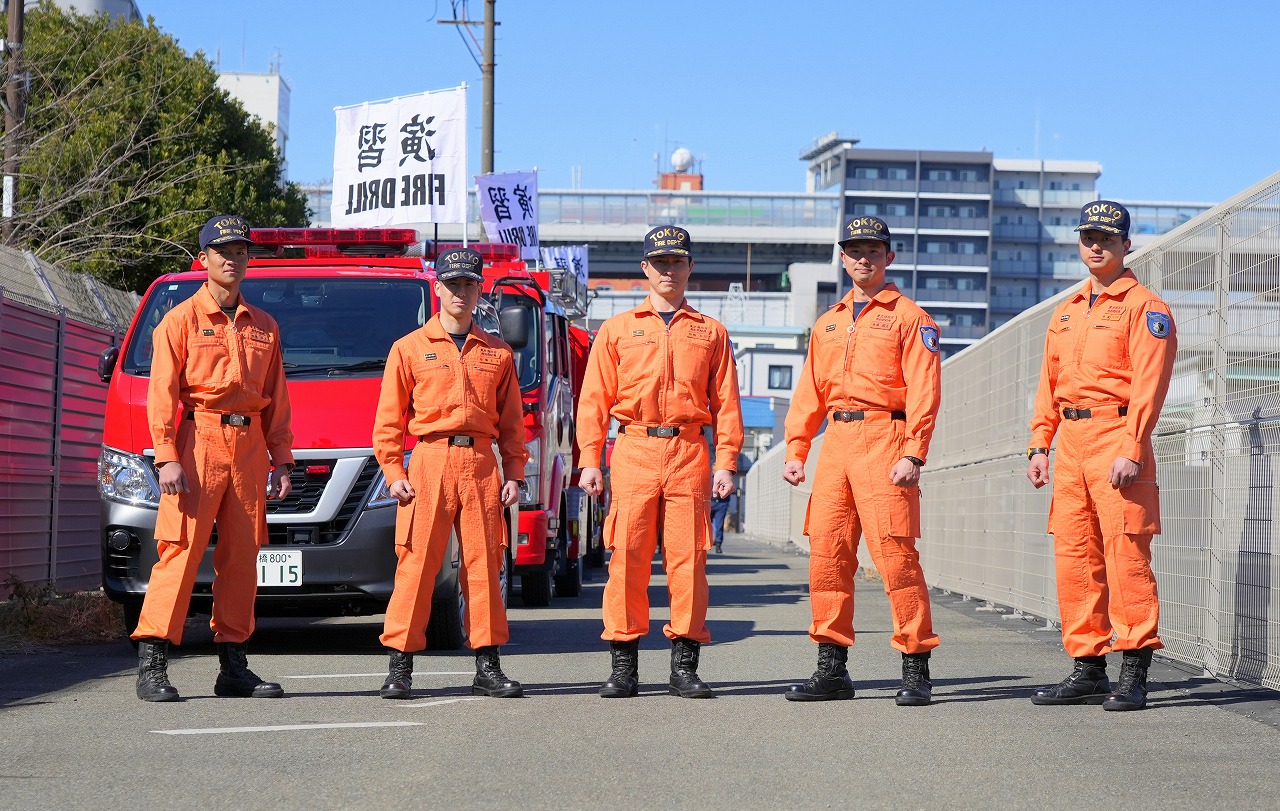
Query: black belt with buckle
pixel 667 431
pixel 227 419
pixel 854 416
pixel 1086 413
pixel 462 441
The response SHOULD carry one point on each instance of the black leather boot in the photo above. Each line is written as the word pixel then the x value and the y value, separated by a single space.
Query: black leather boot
pixel 1131 691
pixel 684 669
pixel 830 682
pixel 1087 684
pixel 235 679
pixel 399 683
pixel 624 681
pixel 917 689
pixel 153 671
pixel 490 680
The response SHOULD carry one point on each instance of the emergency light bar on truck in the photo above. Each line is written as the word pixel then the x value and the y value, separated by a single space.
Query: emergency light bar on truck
pixel 333 241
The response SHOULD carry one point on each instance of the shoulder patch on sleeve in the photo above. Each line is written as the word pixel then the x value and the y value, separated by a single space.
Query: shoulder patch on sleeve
pixel 1159 324
pixel 929 335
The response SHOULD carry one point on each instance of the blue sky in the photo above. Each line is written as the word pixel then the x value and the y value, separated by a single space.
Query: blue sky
pixel 1171 97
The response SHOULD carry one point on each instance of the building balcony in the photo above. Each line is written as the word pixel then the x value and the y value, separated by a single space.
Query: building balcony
pixel 1012 304
pixel 956 223
pixel 960 332
pixel 1035 198
pixel 935 294
pixel 1014 267
pixel 1010 231
pixel 966 260
pixel 879 184
pixel 904 258
pixel 956 186
pixel 754 309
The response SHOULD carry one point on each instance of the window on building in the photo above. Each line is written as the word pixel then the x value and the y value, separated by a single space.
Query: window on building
pixel 896 210
pixel 938 174
pixel 900 281
pixel 937 247
pixel 968 211
pixel 779 377
pixel 968 248
pixel 938 211
pixel 1055 185
pixel 968 175
pixel 937 283
pixel 1075 187
pixel 867 172
pixel 899 245
pixel 897 173
pixel 866 208
pixel 966 284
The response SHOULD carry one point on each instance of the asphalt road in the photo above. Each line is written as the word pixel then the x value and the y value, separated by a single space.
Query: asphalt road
pixel 72 734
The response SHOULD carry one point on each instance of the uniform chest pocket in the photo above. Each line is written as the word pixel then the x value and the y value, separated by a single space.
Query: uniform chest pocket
pixel 258 347
pixel 691 359
pixel 829 355
pixel 481 376
pixel 1106 345
pixel 877 354
pixel 208 359
pixel 433 386
pixel 634 356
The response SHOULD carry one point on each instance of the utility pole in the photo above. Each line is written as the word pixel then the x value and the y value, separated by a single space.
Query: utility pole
pixel 486 72
pixel 14 111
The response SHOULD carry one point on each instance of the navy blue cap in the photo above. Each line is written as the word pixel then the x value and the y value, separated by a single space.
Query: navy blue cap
pixel 864 227
pixel 1107 216
pixel 667 240
pixel 224 228
pixel 460 263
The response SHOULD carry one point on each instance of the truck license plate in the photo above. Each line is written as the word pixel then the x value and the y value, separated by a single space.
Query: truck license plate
pixel 280 568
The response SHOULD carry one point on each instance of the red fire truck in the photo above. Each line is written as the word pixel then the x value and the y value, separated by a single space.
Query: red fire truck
pixel 559 524
pixel 340 301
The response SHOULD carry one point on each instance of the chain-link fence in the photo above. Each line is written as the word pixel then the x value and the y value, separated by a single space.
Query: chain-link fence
pixel 1217 446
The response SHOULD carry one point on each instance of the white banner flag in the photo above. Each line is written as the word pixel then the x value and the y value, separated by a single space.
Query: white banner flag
pixel 402 161
pixel 568 257
pixel 509 209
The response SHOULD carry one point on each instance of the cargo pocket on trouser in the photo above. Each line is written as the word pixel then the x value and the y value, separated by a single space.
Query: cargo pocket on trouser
pixel 612 522
pixel 1141 508
pixel 701 523
pixel 898 513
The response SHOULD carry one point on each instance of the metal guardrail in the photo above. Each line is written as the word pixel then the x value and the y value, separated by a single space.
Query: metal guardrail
pixel 1217 447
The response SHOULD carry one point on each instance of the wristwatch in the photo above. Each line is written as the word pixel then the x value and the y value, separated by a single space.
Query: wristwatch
pixel 1033 451
pixel 287 466
pixel 913 460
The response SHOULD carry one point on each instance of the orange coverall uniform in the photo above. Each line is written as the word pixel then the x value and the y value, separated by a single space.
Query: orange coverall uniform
pixel 887 361
pixel 446 393
pixel 213 366
pixel 645 374
pixel 1116 354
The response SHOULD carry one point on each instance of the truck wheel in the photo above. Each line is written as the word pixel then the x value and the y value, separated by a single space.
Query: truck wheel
pixel 445 629
pixel 535 588
pixel 569 584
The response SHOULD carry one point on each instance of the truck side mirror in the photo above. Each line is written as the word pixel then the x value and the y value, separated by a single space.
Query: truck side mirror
pixel 515 326
pixel 107 363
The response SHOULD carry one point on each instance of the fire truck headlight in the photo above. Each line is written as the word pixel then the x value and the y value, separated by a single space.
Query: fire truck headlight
pixel 127 478
pixel 381 495
pixel 529 490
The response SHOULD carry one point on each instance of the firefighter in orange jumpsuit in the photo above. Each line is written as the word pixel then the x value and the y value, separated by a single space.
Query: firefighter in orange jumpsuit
pixel 1108 358
pixel 664 371
pixel 873 372
pixel 454 387
pixel 219 358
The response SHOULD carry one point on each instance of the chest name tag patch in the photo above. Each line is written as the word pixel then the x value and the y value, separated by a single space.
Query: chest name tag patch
pixel 637 332
pixel 429 356
pixel 929 335
pixel 882 321
pixel 207 332
pixel 1064 318
pixel 1159 324
pixel 831 328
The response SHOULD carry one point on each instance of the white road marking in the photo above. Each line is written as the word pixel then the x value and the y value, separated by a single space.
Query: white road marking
pixel 286 728
pixel 383 673
pixel 441 701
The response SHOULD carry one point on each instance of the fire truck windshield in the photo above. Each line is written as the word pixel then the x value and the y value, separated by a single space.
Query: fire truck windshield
pixel 330 327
